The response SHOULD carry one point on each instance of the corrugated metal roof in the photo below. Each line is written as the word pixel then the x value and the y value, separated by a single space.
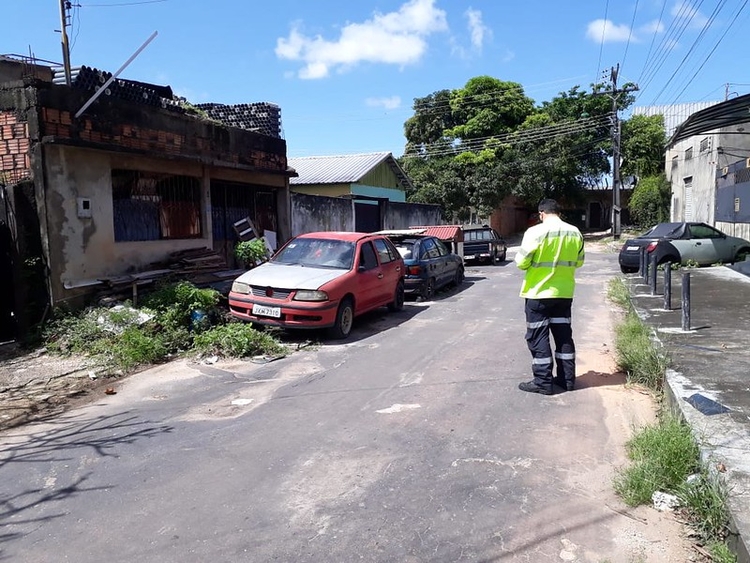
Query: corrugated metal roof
pixel 675 114
pixel 342 169
pixel 444 232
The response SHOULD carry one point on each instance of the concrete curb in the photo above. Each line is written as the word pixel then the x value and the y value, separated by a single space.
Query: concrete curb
pixel 720 443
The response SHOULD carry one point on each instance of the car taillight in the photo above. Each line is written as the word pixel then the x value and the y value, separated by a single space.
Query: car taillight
pixel 414 270
pixel 651 246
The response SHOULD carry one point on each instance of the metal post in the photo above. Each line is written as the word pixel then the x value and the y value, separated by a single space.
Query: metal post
pixel 112 78
pixel 652 275
pixel 686 301
pixel 64 6
pixel 645 267
pixel 668 286
pixel 642 258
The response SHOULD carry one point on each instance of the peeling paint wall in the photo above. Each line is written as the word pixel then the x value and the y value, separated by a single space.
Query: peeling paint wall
pixel 404 215
pixel 83 248
pixel 312 213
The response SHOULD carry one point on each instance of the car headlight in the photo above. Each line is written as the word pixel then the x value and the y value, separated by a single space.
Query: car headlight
pixel 240 287
pixel 310 295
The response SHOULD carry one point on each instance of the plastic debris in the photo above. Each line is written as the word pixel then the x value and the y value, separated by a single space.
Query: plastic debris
pixel 664 502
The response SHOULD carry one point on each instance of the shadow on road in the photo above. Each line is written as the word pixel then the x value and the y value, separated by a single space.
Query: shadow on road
pixel 600 379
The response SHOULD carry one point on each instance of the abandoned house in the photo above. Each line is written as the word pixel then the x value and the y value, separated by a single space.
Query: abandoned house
pixel 136 185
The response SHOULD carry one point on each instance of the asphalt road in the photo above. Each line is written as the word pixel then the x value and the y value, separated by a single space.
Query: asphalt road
pixel 409 442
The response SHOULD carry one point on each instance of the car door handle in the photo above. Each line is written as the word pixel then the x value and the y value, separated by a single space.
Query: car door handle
pixel 398 268
pixel 380 276
pixel 698 243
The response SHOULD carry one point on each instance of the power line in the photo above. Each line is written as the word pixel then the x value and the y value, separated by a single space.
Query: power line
pixel 690 51
pixel 601 43
pixel 630 34
pixel 119 4
pixel 726 30
pixel 682 19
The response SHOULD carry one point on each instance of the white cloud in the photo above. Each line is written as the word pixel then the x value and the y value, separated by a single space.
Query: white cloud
pixel 388 103
pixel 654 26
pixel 479 31
pixel 683 10
pixel 608 32
pixel 394 38
pixel 509 56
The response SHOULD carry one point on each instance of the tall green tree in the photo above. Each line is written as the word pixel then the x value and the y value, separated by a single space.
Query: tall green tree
pixel 649 203
pixel 490 141
pixel 642 146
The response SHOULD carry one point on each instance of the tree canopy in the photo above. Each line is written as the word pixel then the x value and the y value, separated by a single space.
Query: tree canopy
pixel 473 146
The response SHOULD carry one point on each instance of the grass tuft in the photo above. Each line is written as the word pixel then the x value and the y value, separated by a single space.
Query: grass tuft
pixel 662 456
pixel 237 340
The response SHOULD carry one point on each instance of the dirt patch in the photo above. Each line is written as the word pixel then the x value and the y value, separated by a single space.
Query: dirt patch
pixel 36 384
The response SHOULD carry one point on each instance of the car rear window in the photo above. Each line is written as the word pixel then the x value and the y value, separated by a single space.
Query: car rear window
pixel 405 249
pixel 663 230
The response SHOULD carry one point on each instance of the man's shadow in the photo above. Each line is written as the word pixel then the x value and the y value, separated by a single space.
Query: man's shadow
pixel 600 379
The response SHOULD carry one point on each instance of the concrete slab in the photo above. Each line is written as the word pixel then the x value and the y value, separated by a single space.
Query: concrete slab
pixel 709 383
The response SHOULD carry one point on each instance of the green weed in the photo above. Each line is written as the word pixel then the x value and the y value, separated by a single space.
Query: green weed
pixel 705 499
pixel 237 340
pixel 618 293
pixel 662 456
pixel 638 355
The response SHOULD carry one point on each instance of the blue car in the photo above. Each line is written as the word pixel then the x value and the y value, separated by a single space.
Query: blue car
pixel 430 265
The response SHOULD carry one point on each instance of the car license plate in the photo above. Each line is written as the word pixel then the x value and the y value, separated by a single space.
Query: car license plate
pixel 263 311
pixel 632 248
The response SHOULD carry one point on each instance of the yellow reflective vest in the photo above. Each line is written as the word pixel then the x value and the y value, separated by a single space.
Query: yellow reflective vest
pixel 550 253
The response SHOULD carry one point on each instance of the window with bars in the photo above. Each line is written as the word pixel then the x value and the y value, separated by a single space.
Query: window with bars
pixel 155 206
pixel 705 144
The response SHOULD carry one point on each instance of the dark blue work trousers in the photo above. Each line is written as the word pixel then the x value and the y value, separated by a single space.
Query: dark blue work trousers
pixel 542 317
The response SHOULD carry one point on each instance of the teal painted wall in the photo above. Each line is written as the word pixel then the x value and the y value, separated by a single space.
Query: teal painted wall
pixel 373 191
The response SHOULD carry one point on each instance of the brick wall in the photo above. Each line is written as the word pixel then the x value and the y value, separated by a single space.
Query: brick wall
pixel 14 148
pixel 191 138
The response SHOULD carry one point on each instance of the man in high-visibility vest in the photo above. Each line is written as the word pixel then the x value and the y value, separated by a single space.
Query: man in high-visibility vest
pixel 550 253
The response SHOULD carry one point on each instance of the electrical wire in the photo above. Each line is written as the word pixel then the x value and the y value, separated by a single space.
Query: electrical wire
pixel 653 37
pixel 516 138
pixel 710 54
pixel 682 19
pixel 630 35
pixel 601 43
pixel 706 26
pixel 136 3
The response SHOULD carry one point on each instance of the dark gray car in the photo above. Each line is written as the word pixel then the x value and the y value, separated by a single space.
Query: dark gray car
pixel 683 243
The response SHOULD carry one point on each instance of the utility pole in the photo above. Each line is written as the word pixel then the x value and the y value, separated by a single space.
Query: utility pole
pixel 616 184
pixel 64 7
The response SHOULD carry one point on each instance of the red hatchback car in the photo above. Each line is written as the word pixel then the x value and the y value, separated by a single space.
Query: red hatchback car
pixel 321 280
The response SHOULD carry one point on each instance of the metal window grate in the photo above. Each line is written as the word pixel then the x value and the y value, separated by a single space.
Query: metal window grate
pixel 155 206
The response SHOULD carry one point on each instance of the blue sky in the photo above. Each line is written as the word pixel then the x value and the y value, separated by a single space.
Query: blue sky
pixel 345 73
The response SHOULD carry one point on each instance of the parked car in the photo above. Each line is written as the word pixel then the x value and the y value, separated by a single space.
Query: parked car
pixel 683 243
pixel 321 280
pixel 483 244
pixel 430 265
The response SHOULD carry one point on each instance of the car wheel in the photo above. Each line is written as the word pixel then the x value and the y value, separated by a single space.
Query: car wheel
pixel 493 258
pixel 628 270
pixel 503 256
pixel 428 291
pixel 398 299
pixel 344 320
pixel 742 254
pixel 458 278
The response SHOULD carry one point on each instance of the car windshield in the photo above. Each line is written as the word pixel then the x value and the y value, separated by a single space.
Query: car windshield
pixel 318 253
pixel 664 230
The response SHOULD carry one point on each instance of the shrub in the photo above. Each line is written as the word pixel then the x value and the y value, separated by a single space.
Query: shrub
pixel 251 252
pixel 237 340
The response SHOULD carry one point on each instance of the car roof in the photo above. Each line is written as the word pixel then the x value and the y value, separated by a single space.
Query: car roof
pixel 349 236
